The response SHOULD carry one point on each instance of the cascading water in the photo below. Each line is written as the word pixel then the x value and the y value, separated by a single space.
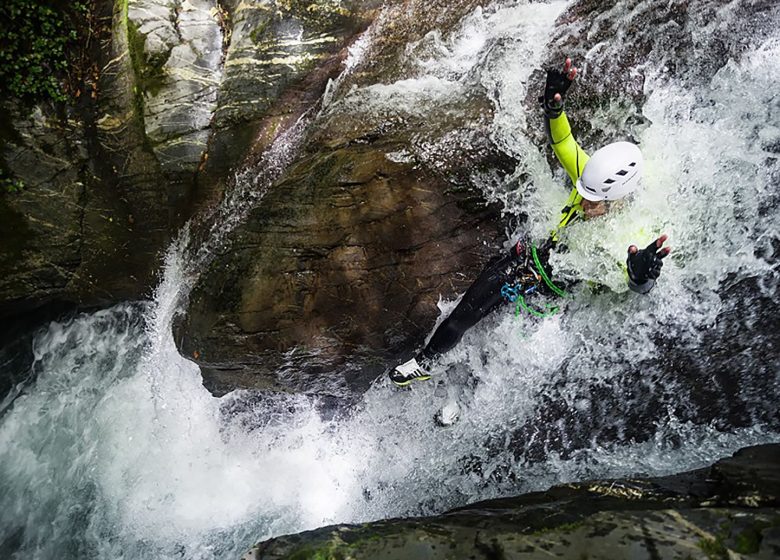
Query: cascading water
pixel 116 450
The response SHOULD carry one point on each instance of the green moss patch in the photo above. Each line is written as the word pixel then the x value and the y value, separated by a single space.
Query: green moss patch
pixel 714 549
pixel 148 68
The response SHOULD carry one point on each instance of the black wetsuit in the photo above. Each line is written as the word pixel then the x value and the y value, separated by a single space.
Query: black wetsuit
pixel 485 294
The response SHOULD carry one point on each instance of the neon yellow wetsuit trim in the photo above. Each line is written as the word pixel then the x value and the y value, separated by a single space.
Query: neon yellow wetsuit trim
pixel 573 158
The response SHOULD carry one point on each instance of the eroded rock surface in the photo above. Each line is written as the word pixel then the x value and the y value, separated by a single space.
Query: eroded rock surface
pixel 111 175
pixel 730 510
pixel 340 267
pixel 176 50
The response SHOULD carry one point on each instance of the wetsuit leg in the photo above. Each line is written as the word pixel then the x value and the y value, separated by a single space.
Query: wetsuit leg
pixel 481 298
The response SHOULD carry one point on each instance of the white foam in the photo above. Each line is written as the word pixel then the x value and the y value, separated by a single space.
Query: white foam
pixel 118 451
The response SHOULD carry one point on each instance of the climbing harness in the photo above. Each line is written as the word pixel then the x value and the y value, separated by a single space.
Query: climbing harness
pixel 516 293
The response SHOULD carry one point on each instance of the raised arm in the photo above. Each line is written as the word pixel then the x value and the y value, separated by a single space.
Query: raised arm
pixel 572 157
pixel 643 266
pixel 568 152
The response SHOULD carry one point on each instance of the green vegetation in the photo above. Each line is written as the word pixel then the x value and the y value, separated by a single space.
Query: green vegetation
pixel 749 540
pixel 746 541
pixel 9 184
pixel 148 68
pixel 714 549
pixel 36 39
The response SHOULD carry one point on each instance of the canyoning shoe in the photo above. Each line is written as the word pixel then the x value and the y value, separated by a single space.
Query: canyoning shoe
pixel 406 373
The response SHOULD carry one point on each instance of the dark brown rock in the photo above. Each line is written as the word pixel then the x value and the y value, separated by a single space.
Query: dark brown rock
pixel 340 267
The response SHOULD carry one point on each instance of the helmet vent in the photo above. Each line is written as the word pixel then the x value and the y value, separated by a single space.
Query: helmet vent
pixel 609 181
pixel 632 164
pixel 622 173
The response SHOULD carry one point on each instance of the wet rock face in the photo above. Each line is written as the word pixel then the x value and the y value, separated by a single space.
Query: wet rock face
pixel 109 183
pixel 341 265
pixel 339 268
pixel 273 44
pixel 69 237
pixel 53 232
pixel 176 50
pixel 729 509
pixel 278 58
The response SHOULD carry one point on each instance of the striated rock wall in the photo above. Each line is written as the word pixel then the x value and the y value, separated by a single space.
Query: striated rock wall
pixel 176 51
pixel 278 60
pixel 113 173
pixel 730 510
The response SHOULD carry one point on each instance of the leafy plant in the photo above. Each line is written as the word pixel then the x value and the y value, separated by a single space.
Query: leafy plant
pixel 9 184
pixel 35 40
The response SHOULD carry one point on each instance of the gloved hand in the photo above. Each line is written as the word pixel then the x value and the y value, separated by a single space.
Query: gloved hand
pixel 644 267
pixel 555 89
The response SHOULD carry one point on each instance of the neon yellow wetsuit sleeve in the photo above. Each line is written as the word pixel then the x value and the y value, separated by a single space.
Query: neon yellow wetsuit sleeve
pixel 573 158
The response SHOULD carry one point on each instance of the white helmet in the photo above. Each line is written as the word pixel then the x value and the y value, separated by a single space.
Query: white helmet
pixel 611 173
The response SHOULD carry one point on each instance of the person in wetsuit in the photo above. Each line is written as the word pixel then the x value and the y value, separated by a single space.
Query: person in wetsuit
pixel 613 172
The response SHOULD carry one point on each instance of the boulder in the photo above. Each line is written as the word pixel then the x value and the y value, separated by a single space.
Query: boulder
pixel 339 269
pixel 725 511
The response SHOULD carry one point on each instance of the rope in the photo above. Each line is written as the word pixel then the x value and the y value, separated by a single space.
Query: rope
pixel 551 309
pixel 514 293
pixel 556 290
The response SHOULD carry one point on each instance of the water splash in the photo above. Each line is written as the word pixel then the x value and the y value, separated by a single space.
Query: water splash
pixel 118 451
pixel 357 54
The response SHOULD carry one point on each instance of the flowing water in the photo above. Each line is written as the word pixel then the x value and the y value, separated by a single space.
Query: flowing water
pixel 114 448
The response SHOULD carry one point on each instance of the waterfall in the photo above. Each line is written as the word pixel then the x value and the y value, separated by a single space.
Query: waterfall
pixel 116 449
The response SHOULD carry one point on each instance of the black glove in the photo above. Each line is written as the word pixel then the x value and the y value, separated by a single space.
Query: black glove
pixel 557 82
pixel 644 267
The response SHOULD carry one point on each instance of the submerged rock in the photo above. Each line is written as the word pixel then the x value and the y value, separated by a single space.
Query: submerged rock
pixel 725 511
